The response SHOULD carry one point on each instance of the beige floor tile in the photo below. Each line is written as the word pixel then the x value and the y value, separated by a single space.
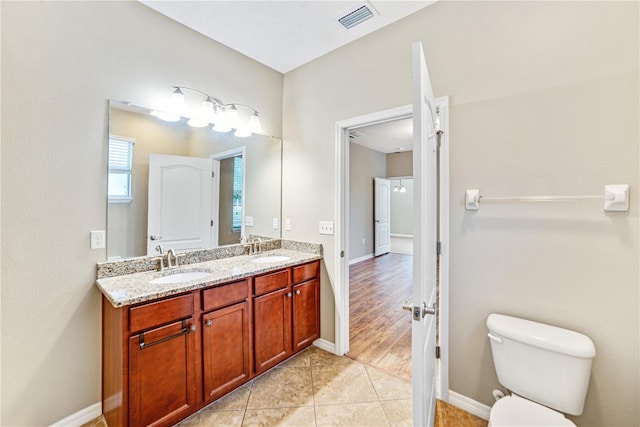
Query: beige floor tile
pixel 368 414
pixel 206 418
pixel 282 387
pixel 321 357
pixel 300 359
pixel 399 412
pixel 304 416
pixel 333 384
pixel 387 386
pixel 236 400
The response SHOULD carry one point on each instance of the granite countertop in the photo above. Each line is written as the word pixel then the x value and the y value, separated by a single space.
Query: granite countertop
pixel 136 287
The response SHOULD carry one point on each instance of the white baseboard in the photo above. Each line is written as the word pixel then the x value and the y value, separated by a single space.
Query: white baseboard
pixel 471 406
pixel 325 345
pixel 81 417
pixel 402 235
pixel 362 258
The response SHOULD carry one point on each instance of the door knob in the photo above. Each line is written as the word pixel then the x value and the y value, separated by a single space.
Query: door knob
pixel 418 312
pixel 154 237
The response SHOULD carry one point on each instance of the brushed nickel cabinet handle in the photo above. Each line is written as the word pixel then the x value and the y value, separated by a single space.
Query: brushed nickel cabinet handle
pixel 208 322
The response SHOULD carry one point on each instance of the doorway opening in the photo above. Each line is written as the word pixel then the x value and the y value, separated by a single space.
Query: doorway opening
pixel 344 248
pixel 381 244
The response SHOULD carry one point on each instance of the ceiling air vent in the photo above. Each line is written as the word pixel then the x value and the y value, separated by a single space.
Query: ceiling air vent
pixel 357 16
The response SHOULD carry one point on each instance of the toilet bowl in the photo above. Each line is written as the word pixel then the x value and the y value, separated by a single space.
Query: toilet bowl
pixel 515 411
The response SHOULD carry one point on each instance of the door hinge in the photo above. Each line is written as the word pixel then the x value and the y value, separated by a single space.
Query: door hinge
pixel 212 223
pixel 437 352
pixel 438 248
pixel 213 174
pixel 341 254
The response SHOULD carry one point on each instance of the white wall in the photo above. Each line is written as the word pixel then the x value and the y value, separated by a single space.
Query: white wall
pixel 402 208
pixel 544 100
pixel 364 165
pixel 61 62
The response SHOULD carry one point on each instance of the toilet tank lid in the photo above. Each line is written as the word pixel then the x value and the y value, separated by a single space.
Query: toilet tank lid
pixel 541 335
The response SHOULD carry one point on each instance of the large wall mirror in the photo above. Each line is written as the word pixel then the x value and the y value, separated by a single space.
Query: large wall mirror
pixel 176 186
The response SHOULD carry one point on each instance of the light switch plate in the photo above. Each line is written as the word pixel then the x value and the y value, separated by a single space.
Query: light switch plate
pixel 97 239
pixel 287 224
pixel 275 223
pixel 248 221
pixel 326 227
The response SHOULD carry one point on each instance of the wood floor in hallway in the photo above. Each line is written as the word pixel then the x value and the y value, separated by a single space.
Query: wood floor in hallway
pixel 380 331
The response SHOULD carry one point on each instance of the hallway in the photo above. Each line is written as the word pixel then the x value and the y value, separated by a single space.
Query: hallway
pixel 380 331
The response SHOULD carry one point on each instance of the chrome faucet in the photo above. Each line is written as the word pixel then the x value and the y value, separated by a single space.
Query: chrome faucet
pixel 159 249
pixel 172 253
pixel 257 248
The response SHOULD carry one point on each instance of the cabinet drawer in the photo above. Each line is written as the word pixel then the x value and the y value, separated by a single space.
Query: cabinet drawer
pixel 224 295
pixel 271 282
pixel 306 272
pixel 160 312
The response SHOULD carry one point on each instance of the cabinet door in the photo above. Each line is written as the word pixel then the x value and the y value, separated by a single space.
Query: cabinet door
pixel 162 375
pixel 225 341
pixel 306 314
pixel 272 328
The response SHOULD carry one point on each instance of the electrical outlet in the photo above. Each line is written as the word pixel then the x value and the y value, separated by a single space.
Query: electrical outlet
pixel 326 227
pixel 97 239
pixel 287 224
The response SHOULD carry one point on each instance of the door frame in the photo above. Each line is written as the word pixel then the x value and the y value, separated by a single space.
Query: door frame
pixel 341 249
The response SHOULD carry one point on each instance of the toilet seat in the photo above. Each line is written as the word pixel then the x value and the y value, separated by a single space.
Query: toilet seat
pixel 513 411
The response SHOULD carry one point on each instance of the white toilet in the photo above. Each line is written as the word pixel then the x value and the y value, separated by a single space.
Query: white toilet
pixel 546 369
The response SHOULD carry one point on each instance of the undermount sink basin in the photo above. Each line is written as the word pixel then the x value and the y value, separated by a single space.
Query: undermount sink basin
pixel 180 277
pixel 270 258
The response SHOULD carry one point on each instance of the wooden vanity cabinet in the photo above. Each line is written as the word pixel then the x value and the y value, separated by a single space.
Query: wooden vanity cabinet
pixel 226 338
pixel 306 305
pixel 272 319
pixel 149 362
pixel 168 358
pixel 287 319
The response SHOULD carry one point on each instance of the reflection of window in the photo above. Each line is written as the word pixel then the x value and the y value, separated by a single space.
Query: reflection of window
pixel 238 172
pixel 120 160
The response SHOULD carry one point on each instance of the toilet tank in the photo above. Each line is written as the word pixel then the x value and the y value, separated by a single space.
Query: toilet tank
pixel 542 363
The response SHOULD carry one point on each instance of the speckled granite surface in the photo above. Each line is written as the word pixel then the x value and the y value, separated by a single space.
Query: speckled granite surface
pixel 126 289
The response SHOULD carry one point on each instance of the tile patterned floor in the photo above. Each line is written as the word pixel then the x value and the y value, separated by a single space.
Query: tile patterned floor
pixel 317 388
pixel 314 388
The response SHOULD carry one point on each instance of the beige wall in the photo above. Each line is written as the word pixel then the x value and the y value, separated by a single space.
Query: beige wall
pixel 364 165
pixel 61 62
pixel 400 164
pixel 544 100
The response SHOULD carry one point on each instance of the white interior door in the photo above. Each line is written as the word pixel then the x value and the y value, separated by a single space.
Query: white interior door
pixel 423 339
pixel 180 194
pixel 382 216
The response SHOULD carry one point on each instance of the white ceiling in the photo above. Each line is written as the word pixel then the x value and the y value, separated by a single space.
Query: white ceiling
pixel 388 137
pixel 282 34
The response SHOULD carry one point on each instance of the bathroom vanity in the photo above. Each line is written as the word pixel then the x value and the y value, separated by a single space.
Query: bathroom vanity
pixel 169 349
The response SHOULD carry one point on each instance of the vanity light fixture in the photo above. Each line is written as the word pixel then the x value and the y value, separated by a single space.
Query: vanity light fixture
pixel 223 117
